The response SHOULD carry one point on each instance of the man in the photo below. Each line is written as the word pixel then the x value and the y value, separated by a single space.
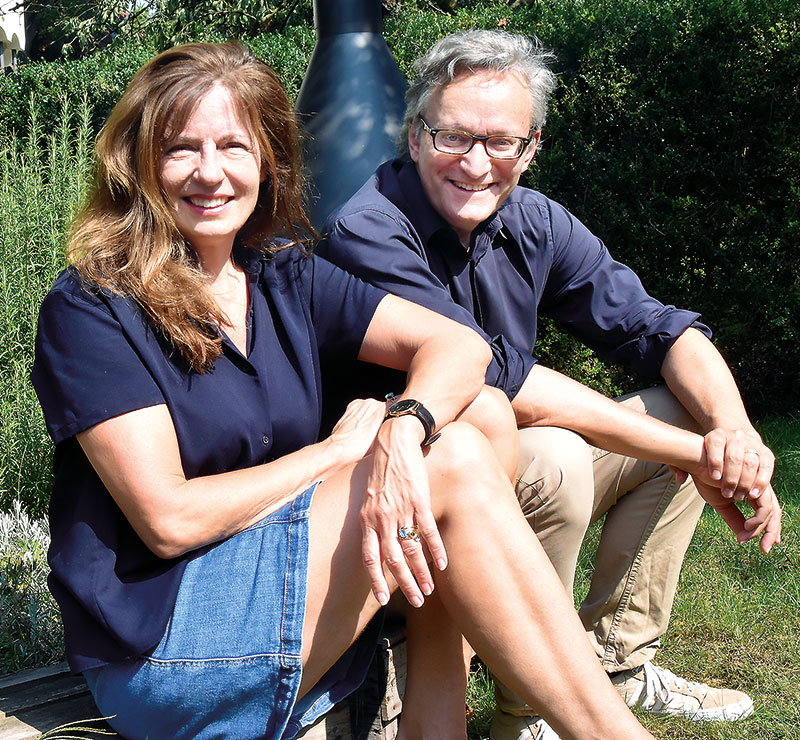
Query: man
pixel 447 226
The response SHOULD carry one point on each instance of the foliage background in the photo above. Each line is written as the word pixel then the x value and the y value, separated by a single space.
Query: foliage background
pixel 673 136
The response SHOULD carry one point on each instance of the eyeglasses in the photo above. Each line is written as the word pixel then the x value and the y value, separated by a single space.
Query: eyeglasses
pixel 453 141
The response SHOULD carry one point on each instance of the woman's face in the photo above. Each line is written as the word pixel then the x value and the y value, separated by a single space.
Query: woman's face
pixel 211 172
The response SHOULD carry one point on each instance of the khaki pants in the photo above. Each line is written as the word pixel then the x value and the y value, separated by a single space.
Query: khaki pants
pixel 565 484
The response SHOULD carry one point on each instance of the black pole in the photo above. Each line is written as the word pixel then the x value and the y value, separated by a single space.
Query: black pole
pixel 351 102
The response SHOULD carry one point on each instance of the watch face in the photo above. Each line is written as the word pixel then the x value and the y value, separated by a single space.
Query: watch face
pixel 404 406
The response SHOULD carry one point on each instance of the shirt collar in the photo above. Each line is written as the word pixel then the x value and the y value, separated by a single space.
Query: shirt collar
pixel 424 217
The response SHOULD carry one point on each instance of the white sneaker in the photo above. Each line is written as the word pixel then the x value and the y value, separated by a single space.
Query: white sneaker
pixel 660 691
pixel 508 727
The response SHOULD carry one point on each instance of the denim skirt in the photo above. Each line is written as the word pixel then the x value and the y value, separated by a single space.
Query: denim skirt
pixel 229 665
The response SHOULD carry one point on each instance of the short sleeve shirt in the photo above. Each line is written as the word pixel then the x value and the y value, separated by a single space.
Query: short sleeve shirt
pixel 530 258
pixel 97 357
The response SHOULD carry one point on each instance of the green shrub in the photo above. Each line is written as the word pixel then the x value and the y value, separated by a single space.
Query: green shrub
pixel 42 182
pixel 30 625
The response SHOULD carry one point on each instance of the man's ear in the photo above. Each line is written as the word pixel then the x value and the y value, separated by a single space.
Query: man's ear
pixel 527 158
pixel 413 141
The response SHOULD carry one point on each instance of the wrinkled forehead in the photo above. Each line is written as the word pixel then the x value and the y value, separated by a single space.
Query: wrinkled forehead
pixel 502 98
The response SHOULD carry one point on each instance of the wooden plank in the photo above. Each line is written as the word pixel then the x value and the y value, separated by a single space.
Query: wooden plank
pixel 30 723
pixel 32 694
pixel 34 674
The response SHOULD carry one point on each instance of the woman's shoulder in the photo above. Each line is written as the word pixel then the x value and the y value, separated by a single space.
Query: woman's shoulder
pixel 70 286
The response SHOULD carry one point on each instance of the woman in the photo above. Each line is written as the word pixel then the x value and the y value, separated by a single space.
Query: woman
pixel 213 562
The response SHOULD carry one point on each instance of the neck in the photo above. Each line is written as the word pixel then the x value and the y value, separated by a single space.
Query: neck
pixel 214 261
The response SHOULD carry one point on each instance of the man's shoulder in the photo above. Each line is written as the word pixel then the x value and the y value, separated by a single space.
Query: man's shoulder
pixel 374 196
pixel 529 200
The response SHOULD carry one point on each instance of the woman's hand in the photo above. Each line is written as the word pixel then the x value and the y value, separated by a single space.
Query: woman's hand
pixel 354 434
pixel 398 496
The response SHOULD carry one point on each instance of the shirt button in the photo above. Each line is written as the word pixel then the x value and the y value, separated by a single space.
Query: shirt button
pixel 265 440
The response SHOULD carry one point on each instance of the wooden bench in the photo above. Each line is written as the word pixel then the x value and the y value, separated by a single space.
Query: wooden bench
pixel 32 702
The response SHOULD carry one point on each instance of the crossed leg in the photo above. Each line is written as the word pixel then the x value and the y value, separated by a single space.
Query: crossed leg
pixel 499 589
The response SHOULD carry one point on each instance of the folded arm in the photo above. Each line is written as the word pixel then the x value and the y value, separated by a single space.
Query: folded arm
pixel 549 398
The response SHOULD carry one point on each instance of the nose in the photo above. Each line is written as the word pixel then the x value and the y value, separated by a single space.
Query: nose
pixel 476 162
pixel 209 167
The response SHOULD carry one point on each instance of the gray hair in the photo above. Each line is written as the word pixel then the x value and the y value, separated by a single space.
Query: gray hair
pixel 473 51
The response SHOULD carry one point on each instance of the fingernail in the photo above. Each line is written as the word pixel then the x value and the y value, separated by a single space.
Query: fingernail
pixel 383 599
pixel 441 563
pixel 427 588
pixel 416 601
pixel 727 493
pixel 755 493
pixel 716 474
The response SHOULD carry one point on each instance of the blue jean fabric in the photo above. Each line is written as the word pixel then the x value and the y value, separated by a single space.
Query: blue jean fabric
pixel 229 665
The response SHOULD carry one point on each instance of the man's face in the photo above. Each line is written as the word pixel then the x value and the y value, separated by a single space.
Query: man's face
pixel 468 188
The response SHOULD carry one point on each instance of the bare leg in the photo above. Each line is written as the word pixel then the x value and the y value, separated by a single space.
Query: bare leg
pixel 492 415
pixel 439 657
pixel 499 588
pixel 436 681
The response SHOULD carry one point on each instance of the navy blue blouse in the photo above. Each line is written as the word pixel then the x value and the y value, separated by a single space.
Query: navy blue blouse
pixel 98 357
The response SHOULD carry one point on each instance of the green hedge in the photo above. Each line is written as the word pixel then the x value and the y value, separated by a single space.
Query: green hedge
pixel 673 135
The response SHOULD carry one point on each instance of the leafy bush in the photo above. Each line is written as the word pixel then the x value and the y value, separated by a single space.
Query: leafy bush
pixel 43 178
pixel 30 625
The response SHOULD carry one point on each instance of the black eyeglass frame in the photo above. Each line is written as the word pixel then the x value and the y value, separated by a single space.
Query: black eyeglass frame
pixel 525 140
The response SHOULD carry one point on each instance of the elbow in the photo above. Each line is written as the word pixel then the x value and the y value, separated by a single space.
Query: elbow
pixel 167 538
pixel 483 355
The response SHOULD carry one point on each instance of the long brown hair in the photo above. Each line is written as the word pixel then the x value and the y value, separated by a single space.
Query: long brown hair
pixel 125 239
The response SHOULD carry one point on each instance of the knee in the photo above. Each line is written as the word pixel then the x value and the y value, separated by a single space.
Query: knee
pixel 491 407
pixel 463 468
pixel 554 475
pixel 491 413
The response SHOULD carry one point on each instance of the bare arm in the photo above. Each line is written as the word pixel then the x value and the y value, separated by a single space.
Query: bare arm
pixel 548 398
pixel 700 379
pixel 137 457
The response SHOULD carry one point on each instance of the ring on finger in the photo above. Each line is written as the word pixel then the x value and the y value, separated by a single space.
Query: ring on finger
pixel 408 533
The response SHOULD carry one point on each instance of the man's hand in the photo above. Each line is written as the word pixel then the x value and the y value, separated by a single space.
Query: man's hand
pixel 765 522
pixel 739 461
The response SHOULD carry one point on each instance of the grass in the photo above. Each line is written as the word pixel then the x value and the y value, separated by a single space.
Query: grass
pixel 736 620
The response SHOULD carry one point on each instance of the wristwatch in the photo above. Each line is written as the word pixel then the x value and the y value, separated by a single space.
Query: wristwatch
pixel 408 406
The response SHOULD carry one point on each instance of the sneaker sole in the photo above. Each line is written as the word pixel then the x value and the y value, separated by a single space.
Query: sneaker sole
pixel 729 713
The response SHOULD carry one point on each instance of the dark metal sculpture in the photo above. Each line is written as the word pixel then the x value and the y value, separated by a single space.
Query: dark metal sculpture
pixel 351 102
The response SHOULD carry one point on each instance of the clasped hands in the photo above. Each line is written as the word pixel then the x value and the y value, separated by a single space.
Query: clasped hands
pixel 737 466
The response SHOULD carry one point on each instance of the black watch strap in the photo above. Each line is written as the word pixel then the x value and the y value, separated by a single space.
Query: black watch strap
pixel 410 407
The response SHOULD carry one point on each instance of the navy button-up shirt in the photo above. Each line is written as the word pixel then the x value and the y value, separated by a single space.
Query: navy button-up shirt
pixel 531 257
pixel 98 357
